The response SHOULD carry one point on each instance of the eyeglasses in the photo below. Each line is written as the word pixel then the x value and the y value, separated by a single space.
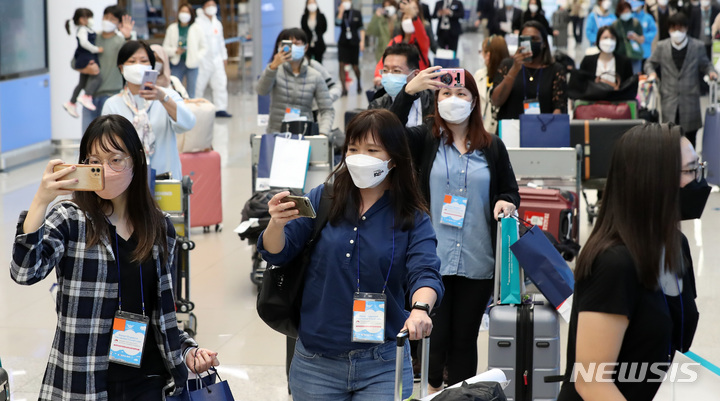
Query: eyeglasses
pixel 116 162
pixel 393 71
pixel 699 172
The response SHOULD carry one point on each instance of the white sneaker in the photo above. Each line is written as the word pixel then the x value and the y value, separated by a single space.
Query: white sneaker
pixel 87 102
pixel 71 109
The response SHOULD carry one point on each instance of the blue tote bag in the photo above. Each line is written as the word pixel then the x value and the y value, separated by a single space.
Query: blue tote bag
pixel 544 131
pixel 509 265
pixel 546 268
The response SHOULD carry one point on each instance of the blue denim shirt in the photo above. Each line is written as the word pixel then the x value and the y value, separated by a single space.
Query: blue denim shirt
pixel 331 280
pixel 465 251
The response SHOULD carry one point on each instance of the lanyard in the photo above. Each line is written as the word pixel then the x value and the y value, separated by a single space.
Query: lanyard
pixel 347 19
pixel 537 87
pixel 392 259
pixel 142 291
pixel 447 169
pixel 682 317
pixel 287 89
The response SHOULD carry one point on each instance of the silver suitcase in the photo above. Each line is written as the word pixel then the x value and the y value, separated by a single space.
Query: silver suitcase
pixel 524 343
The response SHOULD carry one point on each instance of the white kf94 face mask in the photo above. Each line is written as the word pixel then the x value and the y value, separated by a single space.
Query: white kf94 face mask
pixel 367 171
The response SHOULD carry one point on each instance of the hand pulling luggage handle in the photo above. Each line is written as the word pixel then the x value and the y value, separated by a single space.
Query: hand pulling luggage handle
pixel 424 363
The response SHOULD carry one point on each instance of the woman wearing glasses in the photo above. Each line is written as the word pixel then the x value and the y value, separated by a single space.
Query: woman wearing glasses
pixel 634 302
pixel 112 254
pixel 158 114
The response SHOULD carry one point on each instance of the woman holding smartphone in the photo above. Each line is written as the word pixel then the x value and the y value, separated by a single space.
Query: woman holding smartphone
pixel 530 77
pixel 157 114
pixel 378 244
pixel 113 258
pixel 463 171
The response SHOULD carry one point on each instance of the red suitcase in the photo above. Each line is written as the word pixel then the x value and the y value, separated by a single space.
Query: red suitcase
pixel 206 198
pixel 552 210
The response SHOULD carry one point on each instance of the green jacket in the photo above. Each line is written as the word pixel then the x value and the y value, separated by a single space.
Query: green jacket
pixel 382 29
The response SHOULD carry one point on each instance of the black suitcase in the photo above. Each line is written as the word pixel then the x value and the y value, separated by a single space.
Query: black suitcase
pixel 598 137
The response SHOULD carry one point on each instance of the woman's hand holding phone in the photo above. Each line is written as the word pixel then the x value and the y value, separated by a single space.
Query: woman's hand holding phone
pixel 425 80
pixel 282 212
pixel 50 188
pixel 151 92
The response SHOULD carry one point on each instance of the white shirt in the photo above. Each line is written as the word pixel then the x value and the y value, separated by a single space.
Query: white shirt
pixel 214 38
pixel 606 71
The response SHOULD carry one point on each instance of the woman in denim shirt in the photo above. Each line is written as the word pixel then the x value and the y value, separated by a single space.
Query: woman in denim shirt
pixel 379 239
pixel 466 177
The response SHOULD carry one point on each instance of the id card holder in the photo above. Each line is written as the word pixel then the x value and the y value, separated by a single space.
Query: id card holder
pixel 368 317
pixel 531 106
pixel 128 338
pixel 453 211
pixel 291 114
pixel 348 34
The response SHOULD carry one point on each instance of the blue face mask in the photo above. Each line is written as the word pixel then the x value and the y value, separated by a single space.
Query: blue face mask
pixel 298 52
pixel 393 83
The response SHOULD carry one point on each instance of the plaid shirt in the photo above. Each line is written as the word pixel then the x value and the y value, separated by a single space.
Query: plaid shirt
pixel 87 300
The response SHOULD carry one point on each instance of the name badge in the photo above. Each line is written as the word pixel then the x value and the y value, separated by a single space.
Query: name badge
pixel 531 106
pixel 291 114
pixel 368 318
pixel 453 211
pixel 348 33
pixel 128 338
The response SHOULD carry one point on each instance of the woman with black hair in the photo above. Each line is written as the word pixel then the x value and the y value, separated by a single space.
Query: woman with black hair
pixel 112 251
pixel 634 302
pixel 157 114
pixel 293 83
pixel 531 75
pixel 377 247
pixel 466 177
pixel 535 12
pixel 630 35
pixel 607 67
pixel 314 24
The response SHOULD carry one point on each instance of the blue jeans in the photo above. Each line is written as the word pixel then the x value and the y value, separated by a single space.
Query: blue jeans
pixel 361 375
pixel 180 71
pixel 88 116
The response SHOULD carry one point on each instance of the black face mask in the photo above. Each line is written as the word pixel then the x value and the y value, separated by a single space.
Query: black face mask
pixel 536 48
pixel 693 198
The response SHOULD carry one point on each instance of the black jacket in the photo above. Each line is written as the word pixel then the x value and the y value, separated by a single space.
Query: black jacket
pixel 319 31
pixel 623 66
pixel 424 147
pixel 696 26
pixel 458 13
pixel 539 17
pixel 383 101
pixel 494 25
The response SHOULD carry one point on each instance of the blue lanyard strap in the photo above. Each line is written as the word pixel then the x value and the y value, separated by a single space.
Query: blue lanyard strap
pixel 142 290
pixel 392 258
pixel 447 169
pixel 537 87
pixel 682 317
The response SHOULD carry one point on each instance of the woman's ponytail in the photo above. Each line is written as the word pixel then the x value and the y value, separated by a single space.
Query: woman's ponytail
pixel 67 26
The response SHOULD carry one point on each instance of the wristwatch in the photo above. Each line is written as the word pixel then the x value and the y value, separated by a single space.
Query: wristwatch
pixel 422 306
pixel 166 98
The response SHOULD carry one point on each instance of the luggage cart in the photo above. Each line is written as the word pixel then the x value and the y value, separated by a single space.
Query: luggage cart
pixel 321 165
pixel 173 197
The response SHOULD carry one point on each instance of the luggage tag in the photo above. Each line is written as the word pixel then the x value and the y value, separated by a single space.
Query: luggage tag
pixel 291 114
pixel 368 317
pixel 531 106
pixel 348 33
pixel 453 211
pixel 128 338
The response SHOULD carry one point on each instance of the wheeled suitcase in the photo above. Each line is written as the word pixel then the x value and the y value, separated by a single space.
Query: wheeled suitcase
pixel 598 137
pixel 200 137
pixel 206 198
pixel 552 210
pixel 399 360
pixel 711 137
pixel 524 342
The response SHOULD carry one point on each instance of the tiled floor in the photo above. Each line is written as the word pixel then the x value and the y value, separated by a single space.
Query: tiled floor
pixel 251 354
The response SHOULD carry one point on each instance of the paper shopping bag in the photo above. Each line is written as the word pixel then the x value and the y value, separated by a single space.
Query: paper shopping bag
pixel 509 267
pixel 289 163
pixel 690 377
pixel 545 267
pixel 544 130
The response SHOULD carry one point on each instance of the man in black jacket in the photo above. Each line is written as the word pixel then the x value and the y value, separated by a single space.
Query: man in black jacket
pixel 449 13
pixel 401 63
pixel 701 19
pixel 506 19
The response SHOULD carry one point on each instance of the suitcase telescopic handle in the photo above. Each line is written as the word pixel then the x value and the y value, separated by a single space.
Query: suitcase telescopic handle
pixel 424 363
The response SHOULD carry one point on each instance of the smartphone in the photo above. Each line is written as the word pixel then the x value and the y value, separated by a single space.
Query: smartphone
pixel 149 76
pixel 451 77
pixel 91 177
pixel 526 43
pixel 285 46
pixel 302 203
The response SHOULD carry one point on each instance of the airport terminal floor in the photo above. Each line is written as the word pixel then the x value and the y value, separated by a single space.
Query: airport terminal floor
pixel 252 356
